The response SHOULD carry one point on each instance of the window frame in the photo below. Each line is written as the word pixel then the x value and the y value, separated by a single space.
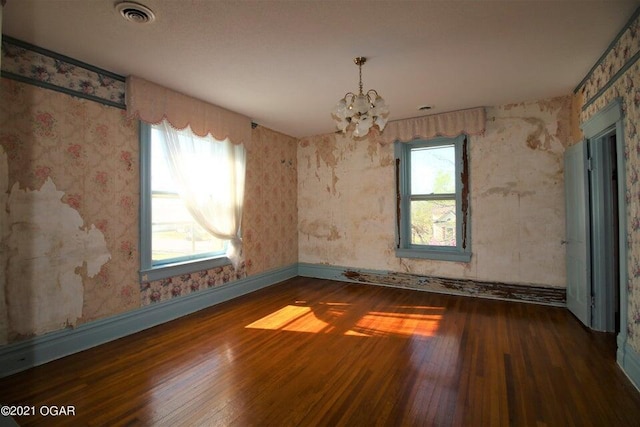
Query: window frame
pixel 404 248
pixel 149 271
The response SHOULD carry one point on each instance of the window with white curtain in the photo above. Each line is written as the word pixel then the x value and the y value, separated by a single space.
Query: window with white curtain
pixel 192 189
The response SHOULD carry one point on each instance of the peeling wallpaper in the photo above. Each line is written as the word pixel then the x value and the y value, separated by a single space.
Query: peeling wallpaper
pixel 49 250
pixel 71 165
pixel 346 200
pixel 88 152
pixel 625 86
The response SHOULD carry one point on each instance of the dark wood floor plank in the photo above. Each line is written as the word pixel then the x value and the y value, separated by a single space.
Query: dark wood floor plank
pixel 318 352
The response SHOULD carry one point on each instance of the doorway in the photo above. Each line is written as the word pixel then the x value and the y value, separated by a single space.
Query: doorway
pixel 596 224
pixel 604 224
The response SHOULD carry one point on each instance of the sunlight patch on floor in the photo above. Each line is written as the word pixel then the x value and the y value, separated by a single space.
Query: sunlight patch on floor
pixel 383 323
pixel 291 318
pixel 327 318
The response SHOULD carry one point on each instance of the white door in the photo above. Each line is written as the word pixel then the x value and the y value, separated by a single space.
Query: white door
pixel 576 183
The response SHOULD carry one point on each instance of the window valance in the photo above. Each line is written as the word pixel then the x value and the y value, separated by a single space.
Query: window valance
pixel 470 122
pixel 152 103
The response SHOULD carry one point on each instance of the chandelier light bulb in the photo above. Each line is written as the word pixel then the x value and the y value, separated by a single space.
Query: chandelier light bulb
pixel 362 111
pixel 361 104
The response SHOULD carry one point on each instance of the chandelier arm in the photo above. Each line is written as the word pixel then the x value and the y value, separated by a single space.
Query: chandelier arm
pixel 347 94
pixel 371 98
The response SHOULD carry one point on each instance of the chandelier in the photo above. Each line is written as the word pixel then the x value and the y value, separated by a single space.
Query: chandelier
pixel 362 110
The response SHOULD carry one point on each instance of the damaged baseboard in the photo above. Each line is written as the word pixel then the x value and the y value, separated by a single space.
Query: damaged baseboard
pixel 505 291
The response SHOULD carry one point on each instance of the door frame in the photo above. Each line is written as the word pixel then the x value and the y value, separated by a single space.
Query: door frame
pixel 603 263
pixel 611 116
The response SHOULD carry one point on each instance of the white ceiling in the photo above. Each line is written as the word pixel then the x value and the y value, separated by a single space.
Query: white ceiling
pixel 286 63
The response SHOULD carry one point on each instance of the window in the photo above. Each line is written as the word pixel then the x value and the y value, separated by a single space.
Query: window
pixel 187 197
pixel 433 199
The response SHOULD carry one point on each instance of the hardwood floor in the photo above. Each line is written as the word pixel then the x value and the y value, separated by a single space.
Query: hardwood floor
pixel 317 352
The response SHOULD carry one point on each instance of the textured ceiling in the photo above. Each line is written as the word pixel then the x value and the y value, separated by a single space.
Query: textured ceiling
pixel 286 63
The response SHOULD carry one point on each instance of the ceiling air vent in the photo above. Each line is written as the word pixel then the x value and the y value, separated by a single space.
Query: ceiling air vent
pixel 135 12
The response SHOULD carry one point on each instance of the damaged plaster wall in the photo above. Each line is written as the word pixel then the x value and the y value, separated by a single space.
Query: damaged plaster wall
pixel 346 200
pixel 48 252
pixel 517 193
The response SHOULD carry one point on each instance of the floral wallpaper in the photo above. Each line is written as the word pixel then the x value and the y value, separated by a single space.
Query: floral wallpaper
pixel 627 88
pixel 269 225
pixel 32 64
pixel 165 289
pixel 89 151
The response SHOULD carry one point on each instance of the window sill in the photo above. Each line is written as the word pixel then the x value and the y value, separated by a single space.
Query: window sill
pixel 186 267
pixel 439 255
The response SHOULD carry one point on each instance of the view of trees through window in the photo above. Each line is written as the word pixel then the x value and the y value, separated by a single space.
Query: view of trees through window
pixel 433 204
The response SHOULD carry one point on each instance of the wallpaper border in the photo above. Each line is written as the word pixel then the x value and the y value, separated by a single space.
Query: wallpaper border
pixel 612 81
pixel 606 52
pixel 465 287
pixel 60 73
pixel 627 40
pixel 42 349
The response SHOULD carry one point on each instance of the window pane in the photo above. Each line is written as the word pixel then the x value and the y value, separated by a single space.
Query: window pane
pixel 174 232
pixel 433 222
pixel 433 170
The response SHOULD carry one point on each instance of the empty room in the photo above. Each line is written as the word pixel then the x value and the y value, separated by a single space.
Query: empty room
pixel 337 213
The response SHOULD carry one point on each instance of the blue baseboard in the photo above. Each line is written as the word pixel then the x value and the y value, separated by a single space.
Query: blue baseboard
pixel 39 350
pixel 323 271
pixel 42 349
pixel 629 361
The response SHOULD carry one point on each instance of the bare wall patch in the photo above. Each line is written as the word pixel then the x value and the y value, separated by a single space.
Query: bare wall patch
pixel 48 252
pixel 319 230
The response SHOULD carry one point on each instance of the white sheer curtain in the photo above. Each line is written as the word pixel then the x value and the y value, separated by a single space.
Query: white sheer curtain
pixel 210 175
